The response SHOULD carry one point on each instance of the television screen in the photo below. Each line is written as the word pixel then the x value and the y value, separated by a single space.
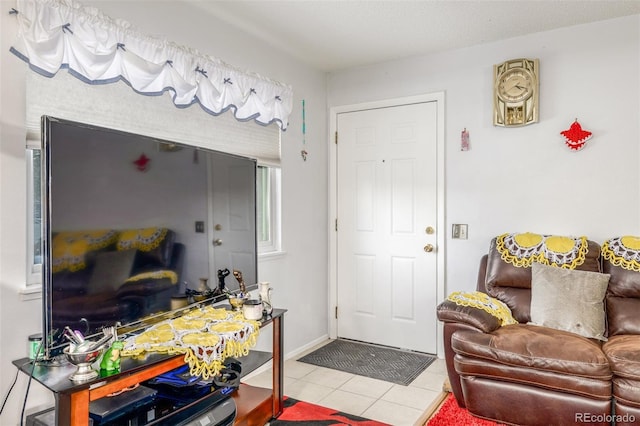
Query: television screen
pixel 131 222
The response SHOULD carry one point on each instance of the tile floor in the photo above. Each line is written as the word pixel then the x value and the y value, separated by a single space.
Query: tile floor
pixel 371 398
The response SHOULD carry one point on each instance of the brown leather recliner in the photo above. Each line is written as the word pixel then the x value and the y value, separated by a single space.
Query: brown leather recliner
pixel 623 347
pixel 534 375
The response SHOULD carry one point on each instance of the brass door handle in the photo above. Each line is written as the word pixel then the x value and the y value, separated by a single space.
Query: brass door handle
pixel 428 248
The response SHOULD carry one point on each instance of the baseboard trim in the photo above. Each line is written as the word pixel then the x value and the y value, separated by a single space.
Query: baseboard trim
pixel 308 347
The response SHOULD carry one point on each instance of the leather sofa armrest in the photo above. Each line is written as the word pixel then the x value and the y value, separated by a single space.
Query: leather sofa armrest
pixel 449 311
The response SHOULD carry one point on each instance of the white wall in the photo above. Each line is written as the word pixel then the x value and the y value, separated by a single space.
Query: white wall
pixel 298 277
pixel 526 179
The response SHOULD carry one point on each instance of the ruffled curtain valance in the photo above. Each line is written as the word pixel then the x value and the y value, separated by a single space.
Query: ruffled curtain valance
pixel 56 34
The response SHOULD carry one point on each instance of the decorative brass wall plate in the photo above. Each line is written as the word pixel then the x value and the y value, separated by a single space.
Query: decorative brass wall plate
pixel 515 92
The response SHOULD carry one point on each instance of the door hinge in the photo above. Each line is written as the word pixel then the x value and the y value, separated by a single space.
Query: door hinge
pixel 336 225
pixel 336 312
pixel 336 139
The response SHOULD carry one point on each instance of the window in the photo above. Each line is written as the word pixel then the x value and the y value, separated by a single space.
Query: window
pixel 268 209
pixel 34 212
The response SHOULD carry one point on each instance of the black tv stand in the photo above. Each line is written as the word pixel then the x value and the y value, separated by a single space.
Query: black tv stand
pixel 255 406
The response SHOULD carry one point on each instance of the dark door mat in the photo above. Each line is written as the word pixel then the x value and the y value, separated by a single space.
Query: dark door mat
pixel 377 362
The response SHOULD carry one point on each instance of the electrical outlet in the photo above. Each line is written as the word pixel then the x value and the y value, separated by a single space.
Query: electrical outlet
pixel 200 226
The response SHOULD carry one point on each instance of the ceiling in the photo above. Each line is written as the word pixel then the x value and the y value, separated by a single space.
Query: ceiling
pixel 336 34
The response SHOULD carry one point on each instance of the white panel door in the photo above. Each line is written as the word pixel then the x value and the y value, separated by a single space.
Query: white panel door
pixel 386 200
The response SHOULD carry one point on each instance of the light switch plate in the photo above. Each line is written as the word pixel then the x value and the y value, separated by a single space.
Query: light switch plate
pixel 459 231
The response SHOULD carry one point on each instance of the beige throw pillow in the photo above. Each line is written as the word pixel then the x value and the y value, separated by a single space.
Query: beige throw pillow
pixel 569 299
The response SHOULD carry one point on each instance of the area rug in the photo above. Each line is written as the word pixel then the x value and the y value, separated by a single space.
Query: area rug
pixel 450 414
pixel 300 413
pixel 377 362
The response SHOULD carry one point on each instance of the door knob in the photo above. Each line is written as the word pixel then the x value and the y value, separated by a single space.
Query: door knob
pixel 217 242
pixel 428 248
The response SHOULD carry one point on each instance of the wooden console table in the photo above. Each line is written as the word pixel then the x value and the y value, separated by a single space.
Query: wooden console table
pixel 255 406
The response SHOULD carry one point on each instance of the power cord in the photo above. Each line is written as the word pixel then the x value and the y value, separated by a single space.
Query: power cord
pixel 15 380
pixel 26 394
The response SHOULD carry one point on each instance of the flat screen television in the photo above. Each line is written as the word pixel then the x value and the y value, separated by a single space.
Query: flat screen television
pixel 132 223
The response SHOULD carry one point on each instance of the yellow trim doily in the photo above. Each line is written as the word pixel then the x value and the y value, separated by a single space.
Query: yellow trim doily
pixel 206 337
pixel 521 250
pixel 623 252
pixel 485 302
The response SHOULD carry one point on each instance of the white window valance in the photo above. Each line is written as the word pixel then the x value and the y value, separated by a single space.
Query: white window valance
pixel 116 106
pixel 58 34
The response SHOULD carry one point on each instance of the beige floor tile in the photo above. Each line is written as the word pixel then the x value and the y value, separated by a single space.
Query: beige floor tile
pixel 296 369
pixel 362 396
pixel 439 366
pixel 430 381
pixel 392 413
pixel 366 386
pixel 264 380
pixel 307 391
pixel 347 402
pixel 288 381
pixel 327 377
pixel 410 396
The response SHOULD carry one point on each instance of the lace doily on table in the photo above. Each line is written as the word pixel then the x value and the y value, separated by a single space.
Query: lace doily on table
pixel 206 337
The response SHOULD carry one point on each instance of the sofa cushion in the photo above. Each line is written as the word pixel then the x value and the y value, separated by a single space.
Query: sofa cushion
pixel 626 392
pixel 624 356
pixel 598 387
pixel 508 275
pixel 535 347
pixel 569 300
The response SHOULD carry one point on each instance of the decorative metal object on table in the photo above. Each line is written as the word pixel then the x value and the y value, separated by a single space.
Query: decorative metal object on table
pixel 83 353
pixel 237 300
pixel 222 275
pixel 238 276
pixel 83 361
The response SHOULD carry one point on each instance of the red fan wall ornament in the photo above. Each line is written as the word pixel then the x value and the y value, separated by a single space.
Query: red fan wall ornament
pixel 142 163
pixel 575 137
